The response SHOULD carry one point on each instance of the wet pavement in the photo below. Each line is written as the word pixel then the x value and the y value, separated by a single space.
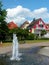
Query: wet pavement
pixel 29 56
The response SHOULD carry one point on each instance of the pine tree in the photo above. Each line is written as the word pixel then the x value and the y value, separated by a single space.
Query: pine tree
pixel 3 24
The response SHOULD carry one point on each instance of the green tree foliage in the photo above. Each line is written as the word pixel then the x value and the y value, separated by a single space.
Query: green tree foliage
pixel 31 36
pixel 3 24
pixel 43 32
pixel 21 33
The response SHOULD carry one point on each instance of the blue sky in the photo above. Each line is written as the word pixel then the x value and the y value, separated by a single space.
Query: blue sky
pixel 28 10
pixel 31 4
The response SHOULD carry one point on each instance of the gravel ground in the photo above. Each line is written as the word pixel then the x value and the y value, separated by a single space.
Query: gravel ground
pixel 9 48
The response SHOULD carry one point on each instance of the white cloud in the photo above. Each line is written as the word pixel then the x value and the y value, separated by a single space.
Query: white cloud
pixel 20 14
pixel 17 14
pixel 40 11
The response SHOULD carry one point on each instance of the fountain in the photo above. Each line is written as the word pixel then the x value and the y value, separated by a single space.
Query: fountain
pixel 15 51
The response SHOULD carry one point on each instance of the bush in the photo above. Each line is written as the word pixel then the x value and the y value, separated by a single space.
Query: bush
pixel 31 36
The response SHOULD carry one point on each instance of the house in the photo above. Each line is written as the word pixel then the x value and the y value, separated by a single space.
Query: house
pixel 47 35
pixel 37 25
pixel 48 27
pixel 24 25
pixel 12 25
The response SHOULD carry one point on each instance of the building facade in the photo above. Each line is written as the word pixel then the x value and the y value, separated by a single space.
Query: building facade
pixel 24 25
pixel 36 26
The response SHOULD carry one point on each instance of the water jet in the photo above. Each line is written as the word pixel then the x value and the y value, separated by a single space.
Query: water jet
pixel 15 49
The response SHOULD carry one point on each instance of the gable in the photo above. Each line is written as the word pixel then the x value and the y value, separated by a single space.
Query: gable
pixel 38 24
pixel 12 25
pixel 24 25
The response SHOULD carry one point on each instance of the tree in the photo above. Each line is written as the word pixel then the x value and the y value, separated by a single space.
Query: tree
pixel 22 34
pixel 3 24
pixel 43 32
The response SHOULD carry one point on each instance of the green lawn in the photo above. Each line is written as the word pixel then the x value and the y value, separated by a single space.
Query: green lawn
pixel 21 42
pixel 5 44
pixel 34 41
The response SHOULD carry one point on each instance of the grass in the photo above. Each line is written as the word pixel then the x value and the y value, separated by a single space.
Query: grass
pixel 33 41
pixel 22 42
pixel 5 44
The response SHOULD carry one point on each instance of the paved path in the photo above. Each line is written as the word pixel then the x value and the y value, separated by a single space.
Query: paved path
pixel 9 48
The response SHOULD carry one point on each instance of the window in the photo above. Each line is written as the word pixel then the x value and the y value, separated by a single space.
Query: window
pixel 40 22
pixel 41 25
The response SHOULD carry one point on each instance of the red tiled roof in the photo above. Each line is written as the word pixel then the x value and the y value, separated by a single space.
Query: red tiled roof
pixel 12 25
